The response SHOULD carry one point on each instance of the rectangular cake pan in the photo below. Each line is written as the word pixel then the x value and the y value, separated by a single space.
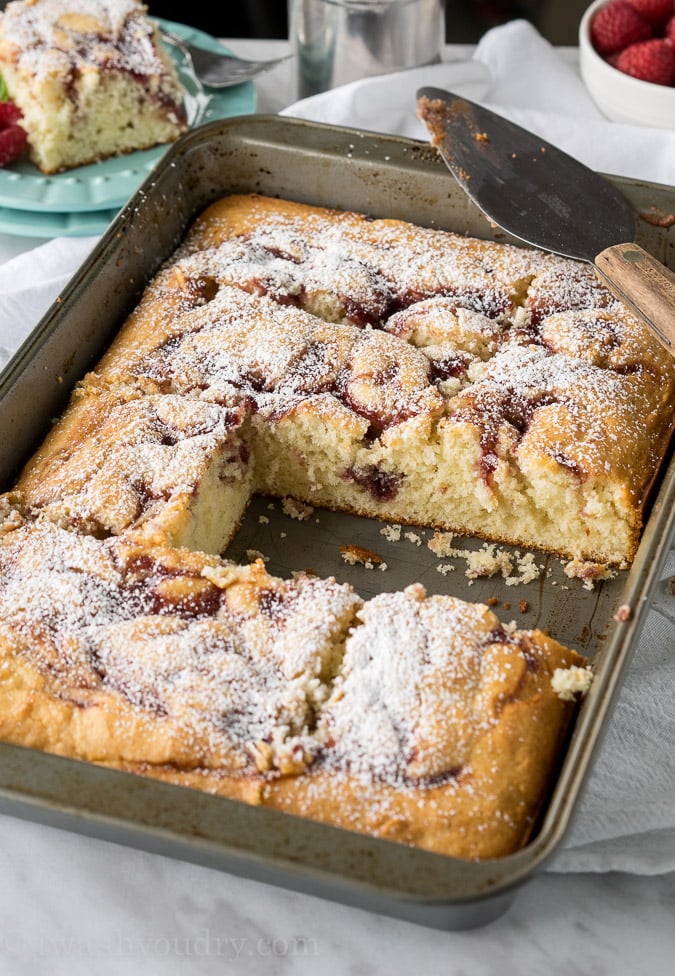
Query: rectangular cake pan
pixel 385 177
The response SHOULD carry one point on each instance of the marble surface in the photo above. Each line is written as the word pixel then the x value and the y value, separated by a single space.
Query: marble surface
pixel 73 905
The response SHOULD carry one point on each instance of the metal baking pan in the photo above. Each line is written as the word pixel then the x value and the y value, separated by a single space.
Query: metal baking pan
pixel 382 176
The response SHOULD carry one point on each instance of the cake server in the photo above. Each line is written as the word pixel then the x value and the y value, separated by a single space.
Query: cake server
pixel 542 196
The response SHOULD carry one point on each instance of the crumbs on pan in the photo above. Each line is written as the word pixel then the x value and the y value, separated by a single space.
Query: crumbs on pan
pixel 392 533
pixel 441 544
pixel 567 683
pixel 587 571
pixel 515 568
pixel 253 554
pixel 297 510
pixel 365 557
pixel 489 560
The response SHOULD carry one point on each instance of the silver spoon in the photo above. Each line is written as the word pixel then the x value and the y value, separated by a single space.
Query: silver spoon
pixel 219 70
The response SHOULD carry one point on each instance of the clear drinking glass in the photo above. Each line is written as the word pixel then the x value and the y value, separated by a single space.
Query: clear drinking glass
pixel 337 41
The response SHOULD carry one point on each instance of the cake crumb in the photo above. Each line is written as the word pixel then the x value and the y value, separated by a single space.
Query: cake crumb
pixel 524 606
pixel 263 520
pixel 568 682
pixel 587 571
pixel 527 570
pixel 488 561
pixel 253 554
pixel 414 538
pixel 441 544
pixel 296 509
pixel 392 533
pixel 624 613
pixel 358 555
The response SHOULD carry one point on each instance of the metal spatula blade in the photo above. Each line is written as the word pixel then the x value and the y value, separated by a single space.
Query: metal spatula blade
pixel 547 199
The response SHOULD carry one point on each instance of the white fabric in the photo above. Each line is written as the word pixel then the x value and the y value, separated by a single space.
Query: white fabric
pixel 30 282
pixel 626 820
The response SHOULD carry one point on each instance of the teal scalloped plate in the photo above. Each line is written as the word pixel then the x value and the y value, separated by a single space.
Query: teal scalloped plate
pixel 84 200
pixel 32 223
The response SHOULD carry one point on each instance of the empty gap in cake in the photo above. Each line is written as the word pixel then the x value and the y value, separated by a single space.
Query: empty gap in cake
pixel 481 569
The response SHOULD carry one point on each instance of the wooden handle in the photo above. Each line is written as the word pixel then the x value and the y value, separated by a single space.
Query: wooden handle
pixel 644 284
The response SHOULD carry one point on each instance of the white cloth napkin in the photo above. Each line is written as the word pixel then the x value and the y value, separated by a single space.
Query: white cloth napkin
pixel 626 820
pixel 30 282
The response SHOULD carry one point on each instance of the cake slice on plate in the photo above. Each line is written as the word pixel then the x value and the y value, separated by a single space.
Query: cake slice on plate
pixel 91 78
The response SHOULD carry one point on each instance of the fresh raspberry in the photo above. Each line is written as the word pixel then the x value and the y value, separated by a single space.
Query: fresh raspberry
pixel 13 139
pixel 656 12
pixel 13 142
pixel 669 32
pixel 616 26
pixel 649 61
pixel 9 114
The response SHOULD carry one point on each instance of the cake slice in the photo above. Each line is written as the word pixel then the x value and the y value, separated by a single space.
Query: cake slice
pixel 114 652
pixel 91 78
pixel 442 730
pixel 169 470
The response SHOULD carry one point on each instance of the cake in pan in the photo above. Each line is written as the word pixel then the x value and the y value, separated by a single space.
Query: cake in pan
pixel 365 365
pixel 415 718
pixel 91 78
pixel 412 374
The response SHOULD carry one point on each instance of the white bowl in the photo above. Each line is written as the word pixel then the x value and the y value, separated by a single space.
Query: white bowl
pixel 619 96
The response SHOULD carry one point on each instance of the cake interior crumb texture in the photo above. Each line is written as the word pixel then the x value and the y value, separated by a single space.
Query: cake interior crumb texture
pixel 365 365
pixel 91 77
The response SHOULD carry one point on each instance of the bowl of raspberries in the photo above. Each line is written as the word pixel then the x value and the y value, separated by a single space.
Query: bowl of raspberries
pixel 627 60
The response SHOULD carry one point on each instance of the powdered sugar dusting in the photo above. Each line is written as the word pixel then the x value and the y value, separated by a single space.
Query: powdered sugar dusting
pixel 54 35
pixel 401 708
pixel 233 664
pixel 502 336
pixel 245 347
pixel 122 458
